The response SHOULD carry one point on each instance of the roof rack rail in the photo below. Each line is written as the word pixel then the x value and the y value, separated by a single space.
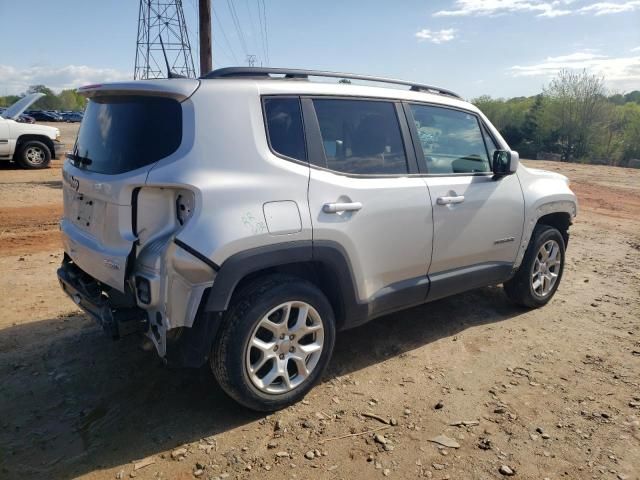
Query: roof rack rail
pixel 293 73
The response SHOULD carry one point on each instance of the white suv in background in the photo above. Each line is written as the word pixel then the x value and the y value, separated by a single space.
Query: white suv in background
pixel 29 145
pixel 245 217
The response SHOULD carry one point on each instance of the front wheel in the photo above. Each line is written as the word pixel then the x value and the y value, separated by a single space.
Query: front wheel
pixel 539 275
pixel 34 154
pixel 274 343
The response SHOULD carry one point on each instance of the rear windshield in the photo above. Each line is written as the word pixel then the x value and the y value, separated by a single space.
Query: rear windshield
pixel 122 133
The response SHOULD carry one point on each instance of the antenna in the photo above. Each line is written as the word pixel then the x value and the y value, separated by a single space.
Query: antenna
pixel 162 41
pixel 170 74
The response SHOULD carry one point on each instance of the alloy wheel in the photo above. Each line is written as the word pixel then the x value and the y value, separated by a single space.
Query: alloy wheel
pixel 546 268
pixel 35 155
pixel 285 347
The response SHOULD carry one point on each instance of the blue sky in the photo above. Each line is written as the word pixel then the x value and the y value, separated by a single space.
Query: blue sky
pixel 502 48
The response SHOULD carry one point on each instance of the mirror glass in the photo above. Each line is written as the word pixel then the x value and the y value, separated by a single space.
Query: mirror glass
pixel 501 162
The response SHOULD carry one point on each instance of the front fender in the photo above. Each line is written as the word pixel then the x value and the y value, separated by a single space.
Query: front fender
pixel 544 193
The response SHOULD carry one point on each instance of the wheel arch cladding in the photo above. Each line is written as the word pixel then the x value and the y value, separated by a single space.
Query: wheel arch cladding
pixel 560 212
pixel 323 264
pixel 560 221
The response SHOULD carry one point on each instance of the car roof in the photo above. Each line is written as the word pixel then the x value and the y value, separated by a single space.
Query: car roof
pixel 298 81
pixel 304 87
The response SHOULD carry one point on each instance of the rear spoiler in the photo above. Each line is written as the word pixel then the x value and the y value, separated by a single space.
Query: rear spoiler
pixel 178 89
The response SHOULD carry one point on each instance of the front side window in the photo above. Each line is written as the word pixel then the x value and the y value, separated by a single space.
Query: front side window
pixel 451 140
pixel 488 140
pixel 284 126
pixel 361 136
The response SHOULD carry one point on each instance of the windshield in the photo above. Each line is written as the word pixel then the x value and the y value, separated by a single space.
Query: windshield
pixel 122 133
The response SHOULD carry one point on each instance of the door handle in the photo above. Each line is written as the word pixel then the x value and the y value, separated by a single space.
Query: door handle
pixel 450 200
pixel 341 207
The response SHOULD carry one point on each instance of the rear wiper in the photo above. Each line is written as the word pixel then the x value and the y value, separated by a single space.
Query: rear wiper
pixel 79 159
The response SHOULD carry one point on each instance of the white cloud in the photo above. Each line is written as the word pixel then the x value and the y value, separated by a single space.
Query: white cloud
pixel 437 36
pixel 16 80
pixel 574 57
pixel 542 8
pixel 636 49
pixel 621 72
pixel 498 7
pixel 605 8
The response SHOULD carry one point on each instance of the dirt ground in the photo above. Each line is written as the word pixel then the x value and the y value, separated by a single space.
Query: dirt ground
pixel 551 393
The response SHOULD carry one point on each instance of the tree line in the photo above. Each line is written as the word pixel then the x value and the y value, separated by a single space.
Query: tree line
pixel 573 119
pixel 65 100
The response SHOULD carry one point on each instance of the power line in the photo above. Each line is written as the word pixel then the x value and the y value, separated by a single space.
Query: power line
pixel 236 23
pixel 197 35
pixel 253 26
pixel 224 34
pixel 266 31
pixel 262 34
pixel 225 52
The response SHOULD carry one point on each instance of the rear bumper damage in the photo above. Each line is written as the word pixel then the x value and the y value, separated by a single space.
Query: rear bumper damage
pixel 162 298
pixel 117 314
pixel 169 283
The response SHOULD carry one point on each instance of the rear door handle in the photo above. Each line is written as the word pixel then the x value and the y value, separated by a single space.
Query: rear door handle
pixel 450 200
pixel 341 207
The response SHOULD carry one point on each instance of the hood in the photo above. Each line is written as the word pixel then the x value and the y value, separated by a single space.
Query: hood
pixel 15 110
pixel 547 173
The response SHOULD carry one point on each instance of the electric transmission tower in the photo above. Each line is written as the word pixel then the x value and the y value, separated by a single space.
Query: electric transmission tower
pixel 161 23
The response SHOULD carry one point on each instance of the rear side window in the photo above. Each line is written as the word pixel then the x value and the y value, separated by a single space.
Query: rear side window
pixel 284 126
pixel 361 136
pixel 122 133
pixel 451 140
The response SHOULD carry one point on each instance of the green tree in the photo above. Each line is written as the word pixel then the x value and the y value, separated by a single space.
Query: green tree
pixel 633 96
pixel 575 107
pixel 8 100
pixel 49 102
pixel 630 119
pixel 70 100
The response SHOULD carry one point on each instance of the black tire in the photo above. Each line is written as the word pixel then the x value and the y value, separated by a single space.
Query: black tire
pixel 520 288
pixel 248 307
pixel 33 155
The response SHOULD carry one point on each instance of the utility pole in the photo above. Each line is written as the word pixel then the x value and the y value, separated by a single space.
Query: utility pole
pixel 206 63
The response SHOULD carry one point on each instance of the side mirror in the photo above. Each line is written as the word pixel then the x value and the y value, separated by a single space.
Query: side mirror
pixel 505 162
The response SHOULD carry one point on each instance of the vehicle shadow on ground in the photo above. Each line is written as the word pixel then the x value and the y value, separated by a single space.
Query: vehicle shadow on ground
pixel 10 165
pixel 73 402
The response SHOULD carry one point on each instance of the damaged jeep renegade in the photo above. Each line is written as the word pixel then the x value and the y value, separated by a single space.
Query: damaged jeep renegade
pixel 244 218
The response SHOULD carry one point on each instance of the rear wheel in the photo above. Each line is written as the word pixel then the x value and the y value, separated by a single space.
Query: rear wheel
pixel 34 154
pixel 275 341
pixel 539 275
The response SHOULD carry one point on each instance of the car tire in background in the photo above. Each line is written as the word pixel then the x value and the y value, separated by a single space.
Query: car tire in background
pixel 33 154
pixel 274 343
pixel 539 275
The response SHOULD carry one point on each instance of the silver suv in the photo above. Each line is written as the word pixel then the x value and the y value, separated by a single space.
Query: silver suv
pixel 245 217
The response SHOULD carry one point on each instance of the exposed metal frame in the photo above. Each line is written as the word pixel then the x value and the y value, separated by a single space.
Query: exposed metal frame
pixel 295 73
